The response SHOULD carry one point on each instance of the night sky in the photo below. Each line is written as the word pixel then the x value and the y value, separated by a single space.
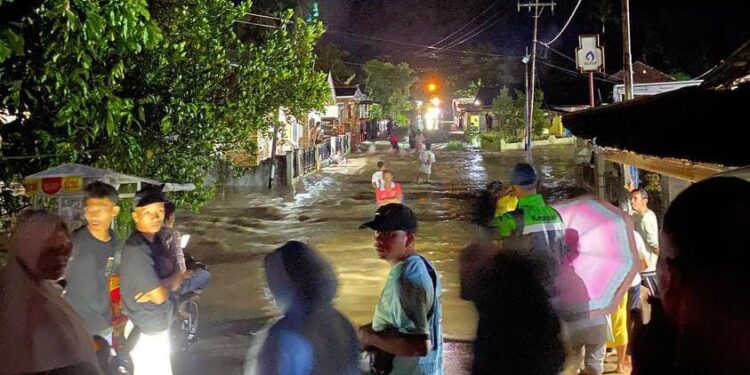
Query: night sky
pixel 689 36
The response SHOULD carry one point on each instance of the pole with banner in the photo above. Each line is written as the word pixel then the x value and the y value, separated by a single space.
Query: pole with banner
pixel 590 59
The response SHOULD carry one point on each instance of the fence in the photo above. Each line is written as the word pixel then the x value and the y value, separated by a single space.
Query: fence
pixel 325 149
pixel 308 159
pixel 295 157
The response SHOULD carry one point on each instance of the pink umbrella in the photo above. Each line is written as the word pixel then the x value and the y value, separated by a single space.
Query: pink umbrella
pixel 601 262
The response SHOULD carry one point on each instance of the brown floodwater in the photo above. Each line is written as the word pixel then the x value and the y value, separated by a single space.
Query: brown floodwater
pixel 234 231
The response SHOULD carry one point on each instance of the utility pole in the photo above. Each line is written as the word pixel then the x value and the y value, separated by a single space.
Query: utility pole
pixel 627 58
pixel 272 175
pixel 538 7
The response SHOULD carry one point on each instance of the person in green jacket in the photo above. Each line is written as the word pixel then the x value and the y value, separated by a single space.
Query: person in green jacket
pixel 536 224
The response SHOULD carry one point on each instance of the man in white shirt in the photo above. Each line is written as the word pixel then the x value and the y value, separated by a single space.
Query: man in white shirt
pixel 646 225
pixel 426 159
pixel 377 177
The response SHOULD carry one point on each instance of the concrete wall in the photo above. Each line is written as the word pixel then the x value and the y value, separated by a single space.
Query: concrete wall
pixel 552 141
pixel 671 187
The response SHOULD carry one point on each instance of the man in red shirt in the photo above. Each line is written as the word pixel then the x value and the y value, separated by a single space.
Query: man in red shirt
pixel 389 191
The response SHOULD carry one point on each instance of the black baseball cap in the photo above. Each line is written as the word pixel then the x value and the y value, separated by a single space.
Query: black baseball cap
pixel 149 194
pixel 392 217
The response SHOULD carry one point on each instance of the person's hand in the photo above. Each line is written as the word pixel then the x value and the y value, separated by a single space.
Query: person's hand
pixel 142 298
pixel 363 334
pixel 506 190
pixel 187 274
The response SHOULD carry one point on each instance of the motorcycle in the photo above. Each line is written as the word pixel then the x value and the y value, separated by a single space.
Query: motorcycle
pixel 184 329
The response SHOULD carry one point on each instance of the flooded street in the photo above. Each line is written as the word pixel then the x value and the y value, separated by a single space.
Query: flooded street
pixel 233 233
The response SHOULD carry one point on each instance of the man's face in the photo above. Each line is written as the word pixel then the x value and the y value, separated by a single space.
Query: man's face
pixel 54 258
pixel 391 246
pixel 149 219
pixel 99 213
pixel 639 203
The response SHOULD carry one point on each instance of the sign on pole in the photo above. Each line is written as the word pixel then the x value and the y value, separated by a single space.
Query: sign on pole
pixel 589 55
pixel 590 59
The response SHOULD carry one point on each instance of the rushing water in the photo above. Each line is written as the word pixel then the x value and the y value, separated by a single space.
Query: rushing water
pixel 232 233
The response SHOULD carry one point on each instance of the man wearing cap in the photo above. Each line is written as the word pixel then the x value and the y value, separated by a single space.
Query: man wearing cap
pixel 145 288
pixel 536 219
pixel 406 327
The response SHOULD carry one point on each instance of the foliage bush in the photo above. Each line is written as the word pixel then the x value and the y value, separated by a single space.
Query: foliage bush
pixel 159 89
pixel 455 146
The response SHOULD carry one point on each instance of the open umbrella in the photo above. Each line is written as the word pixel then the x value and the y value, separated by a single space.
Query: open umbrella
pixel 601 261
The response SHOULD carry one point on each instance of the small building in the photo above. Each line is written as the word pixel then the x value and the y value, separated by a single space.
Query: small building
pixel 648 80
pixel 683 136
pixel 473 112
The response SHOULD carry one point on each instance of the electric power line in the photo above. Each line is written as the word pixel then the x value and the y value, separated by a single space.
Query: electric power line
pixel 565 26
pixel 561 54
pixel 574 73
pixel 474 35
pixel 462 27
pixel 475 31
pixel 353 35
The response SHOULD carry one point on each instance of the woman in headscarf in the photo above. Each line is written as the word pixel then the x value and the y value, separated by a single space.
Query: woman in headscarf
pixel 39 330
pixel 312 337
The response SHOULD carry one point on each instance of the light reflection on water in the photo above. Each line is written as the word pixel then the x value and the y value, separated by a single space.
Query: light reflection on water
pixel 232 233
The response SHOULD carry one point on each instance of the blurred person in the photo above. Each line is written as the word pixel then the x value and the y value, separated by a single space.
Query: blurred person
pixel 93 260
pixel 377 176
pixel 536 219
pixel 426 160
pixel 406 330
pixel 518 330
pixel 699 324
pixel 193 280
pixel 620 323
pixel 645 220
pixel 419 142
pixel 393 139
pixel 312 337
pixel 389 192
pixel 39 331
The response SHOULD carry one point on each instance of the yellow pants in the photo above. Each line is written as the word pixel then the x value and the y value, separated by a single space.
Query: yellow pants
pixel 620 324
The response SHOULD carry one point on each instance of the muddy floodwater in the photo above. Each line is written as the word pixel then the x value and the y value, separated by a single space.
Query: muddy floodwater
pixel 234 231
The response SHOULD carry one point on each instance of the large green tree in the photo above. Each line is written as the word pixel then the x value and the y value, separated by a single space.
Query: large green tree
pixel 158 89
pixel 389 84
pixel 331 58
pixel 511 113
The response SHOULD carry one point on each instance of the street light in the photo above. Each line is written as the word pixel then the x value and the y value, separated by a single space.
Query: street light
pixel 435 101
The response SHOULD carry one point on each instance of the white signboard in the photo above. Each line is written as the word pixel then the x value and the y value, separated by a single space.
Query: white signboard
pixel 589 55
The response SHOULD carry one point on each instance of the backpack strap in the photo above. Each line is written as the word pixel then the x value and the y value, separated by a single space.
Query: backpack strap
pixel 431 313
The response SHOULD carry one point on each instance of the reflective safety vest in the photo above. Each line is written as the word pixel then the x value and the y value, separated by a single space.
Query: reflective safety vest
pixel 542 224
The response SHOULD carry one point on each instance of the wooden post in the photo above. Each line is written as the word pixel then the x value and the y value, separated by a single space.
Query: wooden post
pixel 599 169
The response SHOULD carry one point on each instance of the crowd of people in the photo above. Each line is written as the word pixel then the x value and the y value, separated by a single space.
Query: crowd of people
pixel 699 313
pixel 55 290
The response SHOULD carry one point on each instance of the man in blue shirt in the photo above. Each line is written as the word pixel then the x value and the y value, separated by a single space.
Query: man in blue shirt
pixel 407 322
